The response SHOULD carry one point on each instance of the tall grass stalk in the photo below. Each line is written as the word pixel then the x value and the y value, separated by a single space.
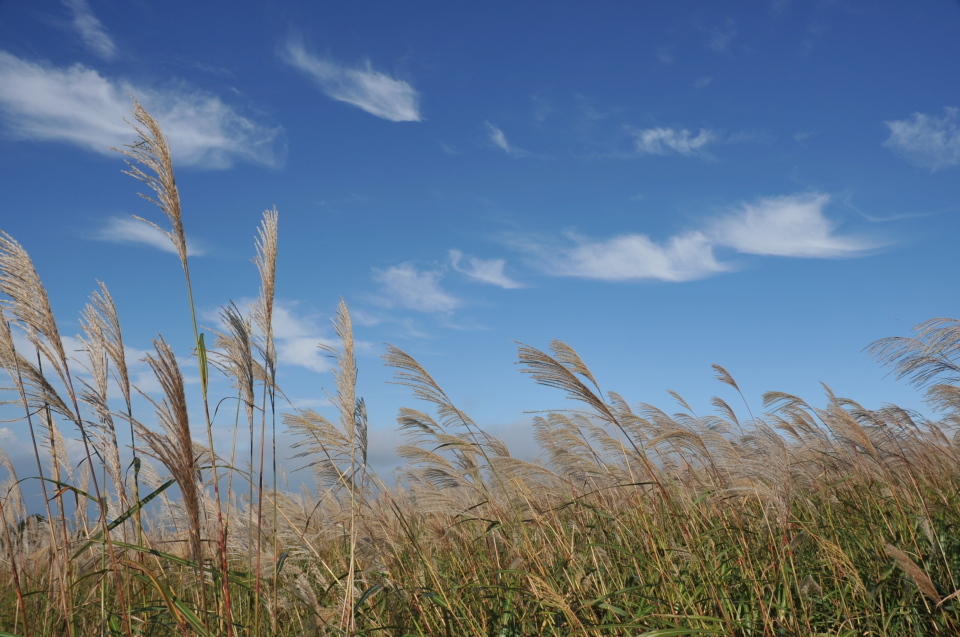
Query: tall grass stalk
pixel 153 153
pixel 266 263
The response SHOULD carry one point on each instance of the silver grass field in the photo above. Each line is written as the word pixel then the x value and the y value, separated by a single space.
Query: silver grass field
pixel 799 521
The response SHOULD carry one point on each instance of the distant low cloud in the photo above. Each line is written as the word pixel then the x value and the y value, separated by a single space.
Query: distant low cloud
pixel 499 139
pixel 930 141
pixel 90 29
pixel 789 226
pixel 303 352
pixel 76 105
pixel 368 89
pixel 297 335
pixel 485 270
pixel 632 257
pixel 298 339
pixel 405 286
pixel 129 230
pixel 670 141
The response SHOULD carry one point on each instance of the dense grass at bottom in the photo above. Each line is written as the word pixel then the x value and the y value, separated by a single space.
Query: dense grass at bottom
pixel 625 561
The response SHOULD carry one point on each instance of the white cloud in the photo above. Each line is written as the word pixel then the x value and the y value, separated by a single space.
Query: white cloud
pixel 633 257
pixel 789 226
pixel 288 324
pixel 298 339
pixel 486 270
pixel 304 352
pixel 146 382
pixel 129 230
pixel 927 140
pixel 370 90
pixel 297 336
pixel 91 31
pixel 496 136
pixel 666 141
pixel 78 106
pixel 408 287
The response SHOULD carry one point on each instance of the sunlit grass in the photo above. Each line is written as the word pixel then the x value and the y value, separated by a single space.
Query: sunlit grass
pixel 799 521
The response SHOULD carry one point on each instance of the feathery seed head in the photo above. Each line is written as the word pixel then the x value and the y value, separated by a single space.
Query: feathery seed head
pixel 29 304
pixel 153 153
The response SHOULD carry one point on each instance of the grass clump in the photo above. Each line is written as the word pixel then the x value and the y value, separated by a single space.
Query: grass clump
pixel 834 520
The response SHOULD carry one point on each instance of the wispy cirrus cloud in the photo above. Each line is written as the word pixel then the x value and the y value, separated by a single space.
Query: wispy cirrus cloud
pixel 788 226
pixel 930 141
pixel 129 230
pixel 76 105
pixel 484 270
pixel 405 286
pixel 671 141
pixel 90 29
pixel 372 91
pixel 499 139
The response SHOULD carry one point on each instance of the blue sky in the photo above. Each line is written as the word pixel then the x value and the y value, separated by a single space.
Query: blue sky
pixel 770 186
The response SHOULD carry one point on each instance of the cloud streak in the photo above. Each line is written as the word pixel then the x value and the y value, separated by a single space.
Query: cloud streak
pixel 670 141
pixel 498 139
pixel 484 270
pixel 128 230
pixel 930 141
pixel 362 86
pixel 405 286
pixel 789 226
pixel 90 29
pixel 78 106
